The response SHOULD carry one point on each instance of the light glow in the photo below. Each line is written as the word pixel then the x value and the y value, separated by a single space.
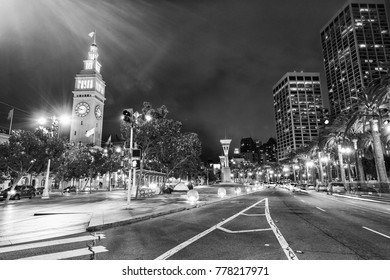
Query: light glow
pixel 221 192
pixel 192 196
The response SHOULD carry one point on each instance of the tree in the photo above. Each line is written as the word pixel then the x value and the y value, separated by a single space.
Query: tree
pixel 372 103
pixel 164 147
pixel 28 152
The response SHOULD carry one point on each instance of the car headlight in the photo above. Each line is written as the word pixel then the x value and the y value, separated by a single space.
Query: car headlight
pixel 12 192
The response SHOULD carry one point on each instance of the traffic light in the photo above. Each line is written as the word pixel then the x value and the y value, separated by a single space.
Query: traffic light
pixel 136 154
pixel 136 164
pixel 127 115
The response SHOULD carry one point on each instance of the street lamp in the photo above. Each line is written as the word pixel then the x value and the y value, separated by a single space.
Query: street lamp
pixel 54 125
pixel 132 118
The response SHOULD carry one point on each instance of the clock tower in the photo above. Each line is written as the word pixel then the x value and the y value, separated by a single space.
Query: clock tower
pixel 88 101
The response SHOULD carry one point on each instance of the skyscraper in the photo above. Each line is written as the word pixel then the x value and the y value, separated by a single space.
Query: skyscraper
pixel 248 149
pixel 298 110
pixel 354 43
pixel 88 101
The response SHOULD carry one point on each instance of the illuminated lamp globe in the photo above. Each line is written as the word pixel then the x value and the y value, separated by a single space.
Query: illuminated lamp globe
pixel 248 189
pixel 221 192
pixel 237 190
pixel 192 196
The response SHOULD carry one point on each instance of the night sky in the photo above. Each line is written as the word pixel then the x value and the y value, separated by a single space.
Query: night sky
pixel 211 62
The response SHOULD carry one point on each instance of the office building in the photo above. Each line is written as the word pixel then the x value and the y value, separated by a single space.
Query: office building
pixel 354 43
pixel 298 111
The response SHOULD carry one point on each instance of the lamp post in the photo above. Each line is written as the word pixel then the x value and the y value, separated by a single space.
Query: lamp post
pixel 45 193
pixel 132 118
pixel 130 167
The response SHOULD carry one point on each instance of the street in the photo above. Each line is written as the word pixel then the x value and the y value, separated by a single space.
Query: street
pixel 270 224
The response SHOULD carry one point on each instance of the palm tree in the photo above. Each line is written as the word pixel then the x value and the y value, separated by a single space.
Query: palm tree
pixel 372 102
pixel 331 139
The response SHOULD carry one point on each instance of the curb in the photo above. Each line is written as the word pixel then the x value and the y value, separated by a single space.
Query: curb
pixel 359 198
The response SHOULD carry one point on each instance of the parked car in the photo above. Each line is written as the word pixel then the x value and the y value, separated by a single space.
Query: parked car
pixel 18 192
pixel 336 187
pixel 310 187
pixel 321 188
pixel 89 189
pixel 69 189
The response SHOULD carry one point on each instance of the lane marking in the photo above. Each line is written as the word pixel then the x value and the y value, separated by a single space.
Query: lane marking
pixel 252 215
pixel 302 200
pixel 50 243
pixel 68 254
pixel 377 232
pixel 282 241
pixel 321 209
pixel 243 231
pixel 186 243
pixel 363 199
pixel 359 206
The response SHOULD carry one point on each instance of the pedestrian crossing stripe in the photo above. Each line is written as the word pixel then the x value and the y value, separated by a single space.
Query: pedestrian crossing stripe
pixel 50 243
pixel 69 254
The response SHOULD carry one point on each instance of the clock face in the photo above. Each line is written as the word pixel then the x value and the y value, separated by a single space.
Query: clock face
pixel 98 112
pixel 82 109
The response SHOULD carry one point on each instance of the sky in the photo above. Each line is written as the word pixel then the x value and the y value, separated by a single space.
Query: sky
pixel 213 63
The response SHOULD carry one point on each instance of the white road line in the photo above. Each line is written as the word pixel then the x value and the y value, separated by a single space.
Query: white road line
pixel 252 215
pixel 181 246
pixel 302 200
pixel 68 254
pixel 243 231
pixel 321 209
pixel 286 248
pixel 377 232
pixel 49 243
pixel 359 206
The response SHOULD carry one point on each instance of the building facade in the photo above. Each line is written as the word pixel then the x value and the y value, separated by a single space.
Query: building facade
pixel 298 110
pixel 248 149
pixel 268 152
pixel 88 102
pixel 354 44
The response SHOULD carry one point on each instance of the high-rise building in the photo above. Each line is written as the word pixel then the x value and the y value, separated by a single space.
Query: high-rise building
pixel 298 110
pixel 88 101
pixel 268 151
pixel 354 43
pixel 248 149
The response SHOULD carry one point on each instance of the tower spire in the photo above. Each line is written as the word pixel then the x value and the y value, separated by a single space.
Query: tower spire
pixel 93 35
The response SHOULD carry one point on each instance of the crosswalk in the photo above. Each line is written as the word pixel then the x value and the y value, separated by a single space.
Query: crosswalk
pixel 86 245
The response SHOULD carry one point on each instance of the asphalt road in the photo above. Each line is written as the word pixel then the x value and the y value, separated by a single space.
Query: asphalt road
pixel 315 226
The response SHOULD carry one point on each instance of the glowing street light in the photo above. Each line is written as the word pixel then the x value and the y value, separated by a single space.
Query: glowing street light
pixel 55 123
